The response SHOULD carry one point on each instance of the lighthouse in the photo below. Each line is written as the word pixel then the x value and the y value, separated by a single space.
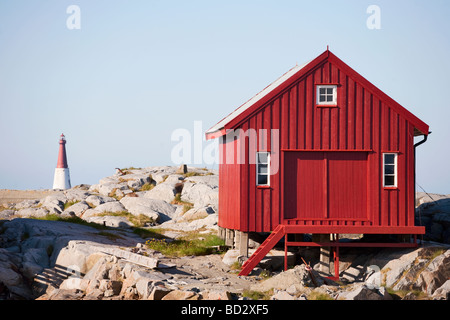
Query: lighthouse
pixel 62 176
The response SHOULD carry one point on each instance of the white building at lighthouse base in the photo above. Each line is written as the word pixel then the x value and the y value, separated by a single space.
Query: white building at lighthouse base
pixel 61 179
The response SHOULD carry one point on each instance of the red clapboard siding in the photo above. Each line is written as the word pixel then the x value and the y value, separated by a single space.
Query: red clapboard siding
pixel 229 174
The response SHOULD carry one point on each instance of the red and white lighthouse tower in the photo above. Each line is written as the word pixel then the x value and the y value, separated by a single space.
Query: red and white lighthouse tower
pixel 62 176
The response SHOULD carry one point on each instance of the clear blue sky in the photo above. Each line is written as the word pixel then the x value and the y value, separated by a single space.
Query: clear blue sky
pixel 138 70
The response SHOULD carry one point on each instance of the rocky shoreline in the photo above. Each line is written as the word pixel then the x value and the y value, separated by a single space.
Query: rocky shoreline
pixel 91 243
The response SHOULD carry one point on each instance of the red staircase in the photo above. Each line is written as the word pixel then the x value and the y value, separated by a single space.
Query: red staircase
pixel 263 250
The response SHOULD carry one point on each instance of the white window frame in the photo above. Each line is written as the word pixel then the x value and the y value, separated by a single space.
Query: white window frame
pixel 395 174
pixel 258 174
pixel 326 103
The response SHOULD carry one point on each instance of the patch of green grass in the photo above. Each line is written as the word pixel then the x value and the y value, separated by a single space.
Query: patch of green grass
pixel 199 174
pixel 128 170
pixel 396 294
pixel 118 197
pixel 319 296
pixel 192 174
pixel 236 266
pixel 109 235
pixel 137 221
pixel 265 274
pixel 177 200
pixel 147 233
pixel 191 245
pixel 140 220
pixel 68 204
pixel 431 253
pixel 77 220
pixel 186 208
pixel 400 294
pixel 257 295
pixel 147 186
pixel 186 205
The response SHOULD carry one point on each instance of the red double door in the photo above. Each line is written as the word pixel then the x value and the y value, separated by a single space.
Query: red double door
pixel 325 185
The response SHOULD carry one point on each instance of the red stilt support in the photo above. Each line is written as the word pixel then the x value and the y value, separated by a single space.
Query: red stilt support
pixel 285 253
pixel 336 259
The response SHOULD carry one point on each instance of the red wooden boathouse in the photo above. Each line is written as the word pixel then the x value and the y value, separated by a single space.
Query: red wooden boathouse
pixel 321 150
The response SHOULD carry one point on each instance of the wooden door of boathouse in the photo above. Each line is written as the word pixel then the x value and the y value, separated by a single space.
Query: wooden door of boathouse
pixel 325 186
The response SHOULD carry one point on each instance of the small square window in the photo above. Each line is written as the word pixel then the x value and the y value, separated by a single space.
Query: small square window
pixel 389 181
pixel 263 157
pixel 326 95
pixel 262 169
pixel 389 169
pixel 389 158
pixel 262 180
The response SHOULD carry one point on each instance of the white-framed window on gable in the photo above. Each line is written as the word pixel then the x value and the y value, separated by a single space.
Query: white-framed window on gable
pixel 390 170
pixel 326 95
pixel 263 168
